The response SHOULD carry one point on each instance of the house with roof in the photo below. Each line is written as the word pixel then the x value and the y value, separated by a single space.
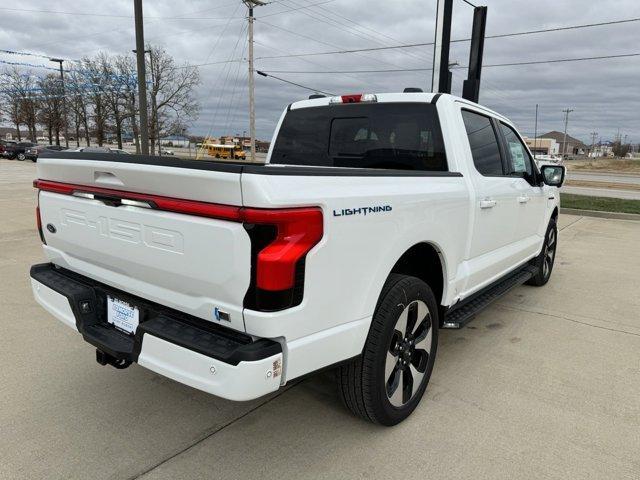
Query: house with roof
pixel 574 146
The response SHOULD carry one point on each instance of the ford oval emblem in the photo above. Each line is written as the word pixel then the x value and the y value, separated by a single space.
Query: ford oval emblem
pixel 51 228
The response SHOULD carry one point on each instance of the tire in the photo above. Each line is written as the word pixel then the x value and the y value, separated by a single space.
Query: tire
pixel 545 261
pixel 21 157
pixel 380 385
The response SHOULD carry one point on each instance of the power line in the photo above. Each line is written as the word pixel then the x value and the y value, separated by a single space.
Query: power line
pixel 297 8
pixel 317 41
pixel 344 22
pixel 110 15
pixel 265 74
pixel 316 64
pixel 426 44
pixel 469 3
pixel 562 60
pixel 335 24
pixel 396 70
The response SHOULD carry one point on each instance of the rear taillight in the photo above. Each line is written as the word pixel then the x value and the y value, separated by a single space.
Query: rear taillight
pixel 280 241
pixel 280 238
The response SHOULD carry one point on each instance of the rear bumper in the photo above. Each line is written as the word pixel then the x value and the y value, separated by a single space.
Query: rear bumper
pixel 189 350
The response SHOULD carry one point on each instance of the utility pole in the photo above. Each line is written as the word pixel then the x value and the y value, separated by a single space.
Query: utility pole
pixel 535 134
pixel 594 135
pixel 142 81
pixel 252 100
pixel 64 101
pixel 566 112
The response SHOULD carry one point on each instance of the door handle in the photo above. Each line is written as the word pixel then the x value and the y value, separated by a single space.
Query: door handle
pixel 523 199
pixel 487 203
pixel 107 178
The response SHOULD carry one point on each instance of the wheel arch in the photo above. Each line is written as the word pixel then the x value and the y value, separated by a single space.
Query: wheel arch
pixel 425 261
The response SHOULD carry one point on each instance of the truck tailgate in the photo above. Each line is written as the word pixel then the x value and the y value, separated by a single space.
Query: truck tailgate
pixel 200 266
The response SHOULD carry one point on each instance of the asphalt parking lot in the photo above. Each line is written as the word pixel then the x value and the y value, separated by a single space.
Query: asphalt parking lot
pixel 543 384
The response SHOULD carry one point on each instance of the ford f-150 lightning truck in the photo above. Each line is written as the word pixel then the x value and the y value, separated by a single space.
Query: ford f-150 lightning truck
pixel 375 221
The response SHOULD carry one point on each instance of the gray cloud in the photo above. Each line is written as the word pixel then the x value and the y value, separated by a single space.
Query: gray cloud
pixel 605 94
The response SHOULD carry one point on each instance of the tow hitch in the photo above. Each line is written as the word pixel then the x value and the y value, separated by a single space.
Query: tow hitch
pixel 104 358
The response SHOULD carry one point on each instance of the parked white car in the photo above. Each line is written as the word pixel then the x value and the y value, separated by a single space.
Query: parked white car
pixel 377 220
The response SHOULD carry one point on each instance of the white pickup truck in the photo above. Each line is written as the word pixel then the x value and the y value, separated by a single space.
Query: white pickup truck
pixel 376 220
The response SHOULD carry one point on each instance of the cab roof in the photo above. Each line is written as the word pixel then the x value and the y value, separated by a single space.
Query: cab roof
pixel 397 97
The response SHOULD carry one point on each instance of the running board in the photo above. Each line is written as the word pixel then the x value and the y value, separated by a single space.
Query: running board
pixel 459 316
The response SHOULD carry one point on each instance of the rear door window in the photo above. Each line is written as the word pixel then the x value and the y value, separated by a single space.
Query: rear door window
pixel 484 143
pixel 403 136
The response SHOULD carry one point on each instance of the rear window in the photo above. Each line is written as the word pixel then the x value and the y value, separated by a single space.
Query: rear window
pixel 403 136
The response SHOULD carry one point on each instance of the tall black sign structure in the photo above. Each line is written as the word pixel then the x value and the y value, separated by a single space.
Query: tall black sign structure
pixel 471 86
pixel 441 79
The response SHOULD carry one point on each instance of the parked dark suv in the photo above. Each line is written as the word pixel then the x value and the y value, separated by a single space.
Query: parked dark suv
pixel 17 150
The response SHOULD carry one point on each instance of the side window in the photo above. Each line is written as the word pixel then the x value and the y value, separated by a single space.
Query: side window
pixel 519 159
pixel 483 142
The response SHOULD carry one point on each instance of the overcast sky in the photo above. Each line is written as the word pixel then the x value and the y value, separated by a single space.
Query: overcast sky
pixel 605 94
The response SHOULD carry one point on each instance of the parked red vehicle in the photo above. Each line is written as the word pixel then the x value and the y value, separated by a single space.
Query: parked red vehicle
pixel 3 146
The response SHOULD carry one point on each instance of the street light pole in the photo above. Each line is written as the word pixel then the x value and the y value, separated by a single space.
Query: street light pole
pixel 566 112
pixel 64 101
pixel 142 83
pixel 252 101
pixel 535 135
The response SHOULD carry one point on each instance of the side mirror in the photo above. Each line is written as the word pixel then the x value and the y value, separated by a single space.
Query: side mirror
pixel 553 175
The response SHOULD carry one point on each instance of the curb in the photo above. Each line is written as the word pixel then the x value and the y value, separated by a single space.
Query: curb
pixel 602 172
pixel 598 214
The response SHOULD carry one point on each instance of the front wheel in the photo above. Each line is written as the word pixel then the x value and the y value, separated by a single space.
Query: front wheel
pixel 21 156
pixel 385 384
pixel 545 261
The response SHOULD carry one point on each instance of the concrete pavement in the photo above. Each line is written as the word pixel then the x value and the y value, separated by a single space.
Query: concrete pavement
pixel 543 384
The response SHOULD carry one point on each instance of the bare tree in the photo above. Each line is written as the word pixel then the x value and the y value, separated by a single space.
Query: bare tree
pixel 94 86
pixel 78 105
pixel 50 111
pixel 171 94
pixel 126 69
pixel 19 92
pixel 118 72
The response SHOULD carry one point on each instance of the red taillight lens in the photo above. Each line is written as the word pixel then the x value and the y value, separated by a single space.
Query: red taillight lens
pixel 297 231
pixel 352 98
pixel 55 187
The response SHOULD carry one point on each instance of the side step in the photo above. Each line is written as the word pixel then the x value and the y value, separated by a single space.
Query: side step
pixel 460 315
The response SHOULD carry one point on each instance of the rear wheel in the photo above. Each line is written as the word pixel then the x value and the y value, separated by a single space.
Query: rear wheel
pixel 385 384
pixel 545 261
pixel 21 156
